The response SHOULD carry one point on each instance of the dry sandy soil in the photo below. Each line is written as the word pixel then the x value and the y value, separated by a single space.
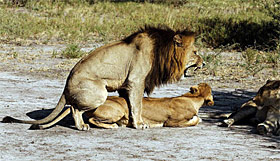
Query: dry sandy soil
pixel 31 82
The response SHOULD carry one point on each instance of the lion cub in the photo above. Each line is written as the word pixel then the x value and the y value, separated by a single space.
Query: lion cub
pixel 178 111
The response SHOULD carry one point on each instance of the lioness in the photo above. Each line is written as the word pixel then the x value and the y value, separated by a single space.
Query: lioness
pixel 263 109
pixel 147 58
pixel 178 111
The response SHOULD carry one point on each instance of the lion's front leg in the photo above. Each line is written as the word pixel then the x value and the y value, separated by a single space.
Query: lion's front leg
pixel 135 103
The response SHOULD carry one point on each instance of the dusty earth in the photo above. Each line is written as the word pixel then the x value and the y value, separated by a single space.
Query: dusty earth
pixel 32 80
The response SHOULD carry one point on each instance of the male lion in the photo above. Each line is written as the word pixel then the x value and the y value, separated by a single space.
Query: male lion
pixel 263 109
pixel 146 59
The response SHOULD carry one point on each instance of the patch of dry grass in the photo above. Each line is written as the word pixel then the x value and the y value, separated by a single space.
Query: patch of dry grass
pixel 242 24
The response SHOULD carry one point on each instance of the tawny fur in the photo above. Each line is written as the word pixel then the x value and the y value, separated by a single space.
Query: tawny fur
pixel 142 61
pixel 263 110
pixel 181 111
pixel 195 61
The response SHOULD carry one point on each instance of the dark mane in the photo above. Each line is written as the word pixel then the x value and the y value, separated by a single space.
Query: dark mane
pixel 167 65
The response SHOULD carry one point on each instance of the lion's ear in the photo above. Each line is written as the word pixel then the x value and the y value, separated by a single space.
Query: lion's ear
pixel 268 81
pixel 178 40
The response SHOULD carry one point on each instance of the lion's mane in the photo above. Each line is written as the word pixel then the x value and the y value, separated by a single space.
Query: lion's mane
pixel 168 65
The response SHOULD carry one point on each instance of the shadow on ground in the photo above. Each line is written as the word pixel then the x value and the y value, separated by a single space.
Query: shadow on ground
pixel 226 102
pixel 40 114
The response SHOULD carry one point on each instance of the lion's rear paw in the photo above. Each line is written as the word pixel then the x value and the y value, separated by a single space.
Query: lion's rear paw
pixel 85 127
pixel 141 126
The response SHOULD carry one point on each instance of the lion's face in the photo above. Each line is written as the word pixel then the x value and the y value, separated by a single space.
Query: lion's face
pixel 204 90
pixel 195 61
pixel 269 94
pixel 184 45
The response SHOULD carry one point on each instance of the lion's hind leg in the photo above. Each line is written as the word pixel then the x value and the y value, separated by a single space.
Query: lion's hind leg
pixel 112 114
pixel 114 120
pixel 123 122
pixel 102 124
pixel 86 95
pixel 246 111
pixel 192 122
pixel 78 118
pixel 183 123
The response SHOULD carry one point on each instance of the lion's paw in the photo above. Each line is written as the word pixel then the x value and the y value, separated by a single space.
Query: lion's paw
pixel 228 122
pixel 114 126
pixel 141 126
pixel 84 127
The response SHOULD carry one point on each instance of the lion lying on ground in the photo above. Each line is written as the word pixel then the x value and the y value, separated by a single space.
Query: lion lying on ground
pixel 263 110
pixel 178 111
pixel 144 60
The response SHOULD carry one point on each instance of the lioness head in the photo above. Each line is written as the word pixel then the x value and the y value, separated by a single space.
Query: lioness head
pixel 269 94
pixel 203 90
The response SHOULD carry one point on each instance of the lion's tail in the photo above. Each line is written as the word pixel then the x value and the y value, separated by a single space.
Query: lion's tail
pixel 59 107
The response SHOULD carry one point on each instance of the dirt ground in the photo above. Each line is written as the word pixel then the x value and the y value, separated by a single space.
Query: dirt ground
pixel 31 82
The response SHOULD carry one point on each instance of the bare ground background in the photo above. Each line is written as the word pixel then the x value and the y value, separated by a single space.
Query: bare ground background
pixel 31 82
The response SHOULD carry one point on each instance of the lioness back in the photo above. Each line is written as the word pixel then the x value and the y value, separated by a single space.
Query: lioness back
pixel 156 112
